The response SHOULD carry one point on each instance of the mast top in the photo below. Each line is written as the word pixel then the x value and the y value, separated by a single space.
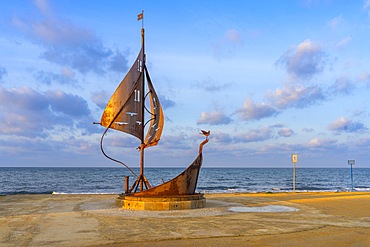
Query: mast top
pixel 141 17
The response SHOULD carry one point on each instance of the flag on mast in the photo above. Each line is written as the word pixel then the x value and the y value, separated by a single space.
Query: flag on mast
pixel 140 16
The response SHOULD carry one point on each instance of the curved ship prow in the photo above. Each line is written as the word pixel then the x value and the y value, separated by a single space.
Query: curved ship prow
pixel 184 184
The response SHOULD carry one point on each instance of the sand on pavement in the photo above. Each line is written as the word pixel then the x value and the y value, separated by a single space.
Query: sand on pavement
pixel 260 219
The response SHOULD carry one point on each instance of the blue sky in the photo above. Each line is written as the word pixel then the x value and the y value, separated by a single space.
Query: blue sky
pixel 268 78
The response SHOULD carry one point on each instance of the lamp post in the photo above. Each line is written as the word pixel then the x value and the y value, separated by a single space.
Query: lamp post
pixel 294 161
pixel 351 163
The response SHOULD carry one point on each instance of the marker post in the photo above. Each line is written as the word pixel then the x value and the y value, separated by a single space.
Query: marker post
pixel 294 161
pixel 351 163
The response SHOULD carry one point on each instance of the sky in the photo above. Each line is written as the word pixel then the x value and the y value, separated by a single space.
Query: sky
pixel 268 78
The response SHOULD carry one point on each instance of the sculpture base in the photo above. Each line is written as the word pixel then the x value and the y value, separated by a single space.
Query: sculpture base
pixel 161 202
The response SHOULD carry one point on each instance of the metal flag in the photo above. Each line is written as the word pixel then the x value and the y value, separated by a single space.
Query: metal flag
pixel 140 16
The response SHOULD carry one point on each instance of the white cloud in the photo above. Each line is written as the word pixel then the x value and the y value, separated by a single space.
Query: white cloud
pixel 66 77
pixel 256 135
pixel 344 42
pixel 285 132
pixel 233 36
pixel 166 102
pixel 218 136
pixel 226 47
pixel 343 124
pixel 296 96
pixel 366 4
pixel 252 111
pixel 2 73
pixel 364 77
pixel 317 142
pixel 342 85
pixel 214 118
pixel 336 22
pixel 210 85
pixel 100 98
pixel 43 6
pixel 308 130
pixel 69 45
pixel 305 60
pixel 26 112
pixel 68 72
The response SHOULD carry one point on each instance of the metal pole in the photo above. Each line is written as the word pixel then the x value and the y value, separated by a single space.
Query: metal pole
pixel 352 177
pixel 141 181
pixel 294 176
pixel 142 168
pixel 294 161
pixel 351 163
pixel 126 184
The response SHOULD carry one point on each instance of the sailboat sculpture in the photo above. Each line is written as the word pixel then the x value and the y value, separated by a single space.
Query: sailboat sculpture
pixel 126 112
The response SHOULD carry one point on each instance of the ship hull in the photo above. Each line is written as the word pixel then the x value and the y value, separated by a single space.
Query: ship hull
pixel 184 184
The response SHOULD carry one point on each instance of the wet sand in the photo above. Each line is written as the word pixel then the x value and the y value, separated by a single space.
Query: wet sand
pixel 262 219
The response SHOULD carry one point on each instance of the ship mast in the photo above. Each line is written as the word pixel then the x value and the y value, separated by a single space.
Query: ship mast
pixel 143 102
pixel 142 179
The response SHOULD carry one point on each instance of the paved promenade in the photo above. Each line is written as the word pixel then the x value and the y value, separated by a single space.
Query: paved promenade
pixel 277 219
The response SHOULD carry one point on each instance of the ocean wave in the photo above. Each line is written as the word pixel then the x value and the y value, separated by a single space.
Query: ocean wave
pixel 362 189
pixel 25 193
pixel 84 193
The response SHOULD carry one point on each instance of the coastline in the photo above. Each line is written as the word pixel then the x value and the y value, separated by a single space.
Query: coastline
pixel 47 180
pixel 244 219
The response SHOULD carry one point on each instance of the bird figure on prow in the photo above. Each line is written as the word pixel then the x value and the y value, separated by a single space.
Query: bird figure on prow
pixel 205 133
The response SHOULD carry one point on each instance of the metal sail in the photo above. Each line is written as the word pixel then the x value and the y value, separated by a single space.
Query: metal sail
pixel 157 118
pixel 124 109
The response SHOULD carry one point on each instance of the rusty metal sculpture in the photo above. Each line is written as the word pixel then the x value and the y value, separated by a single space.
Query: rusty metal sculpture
pixel 126 112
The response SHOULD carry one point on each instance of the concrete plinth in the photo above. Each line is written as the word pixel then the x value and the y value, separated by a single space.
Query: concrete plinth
pixel 161 202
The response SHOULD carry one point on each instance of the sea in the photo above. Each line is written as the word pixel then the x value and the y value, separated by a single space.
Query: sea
pixel 58 180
